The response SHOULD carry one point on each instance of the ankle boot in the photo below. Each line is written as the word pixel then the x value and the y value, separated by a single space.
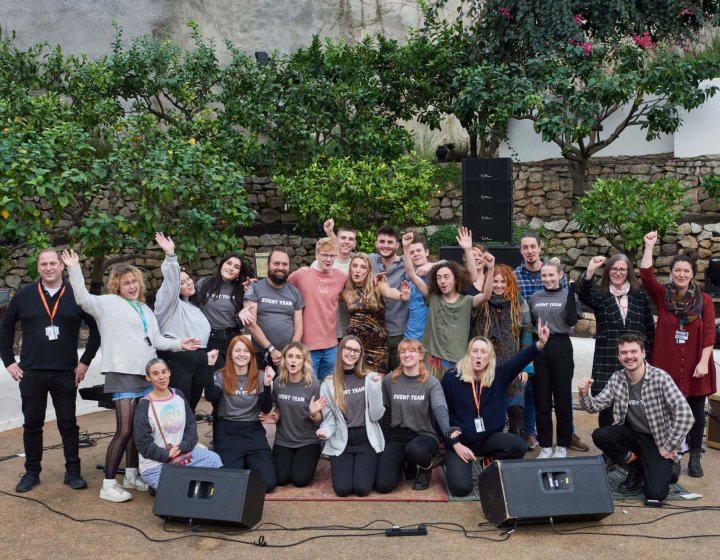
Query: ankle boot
pixel 694 467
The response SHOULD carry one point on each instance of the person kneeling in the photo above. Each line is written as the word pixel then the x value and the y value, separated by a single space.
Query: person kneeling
pixel 650 420
pixel 165 430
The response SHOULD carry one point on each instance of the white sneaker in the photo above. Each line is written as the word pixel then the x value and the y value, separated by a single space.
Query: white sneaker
pixel 112 492
pixel 545 453
pixel 560 453
pixel 135 483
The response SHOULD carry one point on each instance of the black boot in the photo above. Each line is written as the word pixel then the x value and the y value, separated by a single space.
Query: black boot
pixel 634 480
pixel 694 467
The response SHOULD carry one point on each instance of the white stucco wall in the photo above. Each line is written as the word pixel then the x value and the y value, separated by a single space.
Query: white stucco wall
pixel 700 132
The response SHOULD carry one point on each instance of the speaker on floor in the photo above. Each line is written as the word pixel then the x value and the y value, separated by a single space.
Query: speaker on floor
pixel 488 198
pixel 535 490
pixel 202 495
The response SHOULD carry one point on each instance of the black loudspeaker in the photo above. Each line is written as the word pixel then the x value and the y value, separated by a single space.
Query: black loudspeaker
pixel 535 490
pixel 202 495
pixel 506 254
pixel 488 198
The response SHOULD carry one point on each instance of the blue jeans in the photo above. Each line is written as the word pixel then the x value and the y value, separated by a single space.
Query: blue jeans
pixel 530 408
pixel 323 361
pixel 201 457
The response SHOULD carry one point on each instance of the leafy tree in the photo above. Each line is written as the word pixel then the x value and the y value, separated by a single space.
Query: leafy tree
pixel 623 210
pixel 74 167
pixel 364 193
pixel 576 92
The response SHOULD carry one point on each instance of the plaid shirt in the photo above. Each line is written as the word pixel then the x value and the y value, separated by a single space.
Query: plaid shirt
pixel 668 413
pixel 529 282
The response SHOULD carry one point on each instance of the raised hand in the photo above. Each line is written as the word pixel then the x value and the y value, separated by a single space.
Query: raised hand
pixel 269 376
pixel 594 264
pixel 212 357
pixel 404 291
pixel 165 243
pixel 464 238
pixel 70 258
pixel 650 238
pixel 543 334
pixel 329 227
pixel 584 384
pixel 407 239
pixel 489 260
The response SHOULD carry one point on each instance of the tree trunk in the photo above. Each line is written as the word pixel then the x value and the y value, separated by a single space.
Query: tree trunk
pixel 96 276
pixel 473 145
pixel 578 170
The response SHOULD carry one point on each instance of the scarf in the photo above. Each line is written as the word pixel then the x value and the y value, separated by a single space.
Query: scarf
pixel 688 306
pixel 621 297
pixel 495 323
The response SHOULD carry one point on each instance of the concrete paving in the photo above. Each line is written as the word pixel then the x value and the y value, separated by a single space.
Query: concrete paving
pixel 41 529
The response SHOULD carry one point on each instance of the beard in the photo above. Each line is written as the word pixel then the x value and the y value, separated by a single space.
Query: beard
pixel 277 277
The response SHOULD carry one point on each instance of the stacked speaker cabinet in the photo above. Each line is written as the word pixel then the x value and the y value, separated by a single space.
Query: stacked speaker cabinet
pixel 213 496
pixel 488 198
pixel 535 490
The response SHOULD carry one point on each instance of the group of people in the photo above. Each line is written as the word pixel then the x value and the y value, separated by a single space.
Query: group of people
pixel 387 364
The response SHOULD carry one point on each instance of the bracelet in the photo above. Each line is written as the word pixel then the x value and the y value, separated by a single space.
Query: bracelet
pixel 270 348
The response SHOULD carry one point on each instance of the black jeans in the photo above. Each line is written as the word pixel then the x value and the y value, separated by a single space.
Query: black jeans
pixel 695 436
pixel 187 373
pixel 243 445
pixel 34 388
pixel 353 471
pixel 296 465
pixel 219 340
pixel 615 441
pixel 553 382
pixel 401 447
pixel 500 445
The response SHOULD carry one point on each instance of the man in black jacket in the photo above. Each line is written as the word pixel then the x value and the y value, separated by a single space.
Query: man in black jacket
pixel 50 320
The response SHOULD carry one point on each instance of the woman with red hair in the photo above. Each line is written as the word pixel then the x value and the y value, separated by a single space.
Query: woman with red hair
pixel 239 393
pixel 415 404
pixel 504 320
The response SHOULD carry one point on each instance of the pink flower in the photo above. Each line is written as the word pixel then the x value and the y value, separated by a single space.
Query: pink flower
pixel 687 12
pixel 587 47
pixel 643 41
pixel 579 19
pixel 505 12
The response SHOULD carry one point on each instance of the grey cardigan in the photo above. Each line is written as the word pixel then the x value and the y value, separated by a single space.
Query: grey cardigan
pixel 334 425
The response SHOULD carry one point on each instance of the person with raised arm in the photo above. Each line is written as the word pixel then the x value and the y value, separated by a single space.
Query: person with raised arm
pixel 475 393
pixel 130 336
pixel 447 328
pixel 620 305
pixel 178 317
pixel 240 392
pixel 684 337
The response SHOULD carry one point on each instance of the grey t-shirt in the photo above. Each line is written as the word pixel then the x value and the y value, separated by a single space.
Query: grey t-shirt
pixel 636 416
pixel 275 310
pixel 354 400
pixel 396 311
pixel 295 429
pixel 240 407
pixel 411 403
pixel 219 308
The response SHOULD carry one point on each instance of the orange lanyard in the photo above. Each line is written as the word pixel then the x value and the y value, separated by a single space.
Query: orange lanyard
pixel 476 395
pixel 55 308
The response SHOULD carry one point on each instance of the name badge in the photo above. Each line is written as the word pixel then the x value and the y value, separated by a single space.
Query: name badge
pixel 52 332
pixel 681 337
pixel 479 425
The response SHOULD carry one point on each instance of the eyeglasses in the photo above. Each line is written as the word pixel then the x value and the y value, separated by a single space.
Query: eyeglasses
pixel 618 270
pixel 351 350
pixel 327 256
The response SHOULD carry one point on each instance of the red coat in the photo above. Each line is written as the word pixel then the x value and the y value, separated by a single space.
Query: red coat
pixel 680 360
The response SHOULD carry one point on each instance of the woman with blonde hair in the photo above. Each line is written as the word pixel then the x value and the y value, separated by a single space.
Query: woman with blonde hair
pixel 239 393
pixel 350 420
pixel 298 412
pixel 129 335
pixel 475 394
pixel 415 403
pixel 364 299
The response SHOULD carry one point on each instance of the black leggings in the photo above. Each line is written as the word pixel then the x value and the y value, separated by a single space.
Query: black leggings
pixel 187 373
pixel 553 382
pixel 122 441
pixel 296 464
pixel 353 471
pixel 695 436
pixel 401 447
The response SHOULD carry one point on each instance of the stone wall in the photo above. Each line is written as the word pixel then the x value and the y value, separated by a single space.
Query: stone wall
pixel 543 192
